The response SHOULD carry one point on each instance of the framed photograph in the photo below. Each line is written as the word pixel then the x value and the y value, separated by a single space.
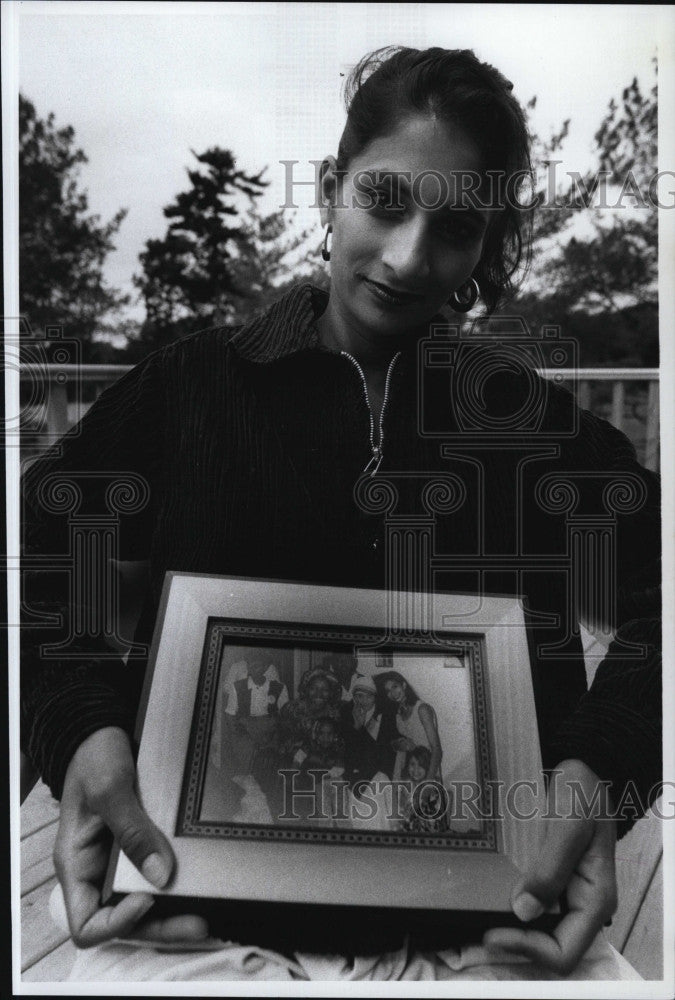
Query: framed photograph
pixel 323 745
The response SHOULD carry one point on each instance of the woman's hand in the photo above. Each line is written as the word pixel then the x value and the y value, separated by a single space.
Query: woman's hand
pixel 577 857
pixel 99 804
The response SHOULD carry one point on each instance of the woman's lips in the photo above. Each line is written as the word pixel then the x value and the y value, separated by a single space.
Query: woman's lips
pixel 392 296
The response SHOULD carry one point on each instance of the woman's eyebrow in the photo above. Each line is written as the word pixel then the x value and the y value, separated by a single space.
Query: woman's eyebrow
pixel 402 186
pixel 480 217
pixel 451 190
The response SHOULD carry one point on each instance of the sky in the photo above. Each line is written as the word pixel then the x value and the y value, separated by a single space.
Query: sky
pixel 143 84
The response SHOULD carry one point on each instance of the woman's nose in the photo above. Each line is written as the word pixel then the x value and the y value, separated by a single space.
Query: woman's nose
pixel 406 253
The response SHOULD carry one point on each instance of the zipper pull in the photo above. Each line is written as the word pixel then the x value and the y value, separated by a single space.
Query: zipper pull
pixel 376 460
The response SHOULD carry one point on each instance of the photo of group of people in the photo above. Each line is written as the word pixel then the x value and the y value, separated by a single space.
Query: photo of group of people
pixel 320 738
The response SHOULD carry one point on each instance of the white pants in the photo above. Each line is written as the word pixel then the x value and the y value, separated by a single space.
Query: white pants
pixel 116 962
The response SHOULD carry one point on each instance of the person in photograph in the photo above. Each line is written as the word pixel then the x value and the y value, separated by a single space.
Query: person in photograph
pixel 283 450
pixel 258 691
pixel 427 803
pixel 251 715
pixel 318 697
pixel 367 733
pixel 416 722
pixel 343 665
pixel 321 760
pixel 369 759
pixel 324 749
pixel 239 670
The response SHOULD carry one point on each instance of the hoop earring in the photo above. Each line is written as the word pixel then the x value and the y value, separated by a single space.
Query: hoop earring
pixel 325 250
pixel 465 297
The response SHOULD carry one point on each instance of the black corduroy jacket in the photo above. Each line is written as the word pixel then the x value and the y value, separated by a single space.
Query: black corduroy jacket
pixel 244 454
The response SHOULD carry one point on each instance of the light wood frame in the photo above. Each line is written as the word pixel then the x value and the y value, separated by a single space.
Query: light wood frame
pixel 336 869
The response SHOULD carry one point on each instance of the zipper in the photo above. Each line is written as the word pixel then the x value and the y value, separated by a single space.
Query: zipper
pixel 375 459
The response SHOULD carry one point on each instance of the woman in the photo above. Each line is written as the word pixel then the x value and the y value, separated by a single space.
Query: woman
pixel 251 447
pixel 318 700
pixel 319 697
pixel 415 721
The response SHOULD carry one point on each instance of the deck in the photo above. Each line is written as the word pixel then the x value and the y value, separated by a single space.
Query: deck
pixel 47 954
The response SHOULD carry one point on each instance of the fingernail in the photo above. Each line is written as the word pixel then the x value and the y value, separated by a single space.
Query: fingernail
pixel 144 905
pixel 527 907
pixel 156 870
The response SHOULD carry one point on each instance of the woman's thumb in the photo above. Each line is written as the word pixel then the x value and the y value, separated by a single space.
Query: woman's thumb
pixel 105 770
pixel 145 846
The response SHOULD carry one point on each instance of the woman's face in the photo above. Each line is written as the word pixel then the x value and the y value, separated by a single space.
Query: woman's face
pixel 393 268
pixel 416 770
pixel 395 691
pixel 319 691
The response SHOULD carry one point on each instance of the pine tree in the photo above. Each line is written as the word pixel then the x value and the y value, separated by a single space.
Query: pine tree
pixel 62 247
pixel 599 282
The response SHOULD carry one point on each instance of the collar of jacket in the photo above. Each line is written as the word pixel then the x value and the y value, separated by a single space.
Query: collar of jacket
pixel 286 327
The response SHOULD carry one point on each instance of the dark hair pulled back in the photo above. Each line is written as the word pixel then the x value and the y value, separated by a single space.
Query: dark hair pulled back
pixel 391 84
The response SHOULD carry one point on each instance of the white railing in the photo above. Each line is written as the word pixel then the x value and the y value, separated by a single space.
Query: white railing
pixel 631 404
pixel 57 396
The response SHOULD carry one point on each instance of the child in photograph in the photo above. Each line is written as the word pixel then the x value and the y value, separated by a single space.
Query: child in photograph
pixel 324 753
pixel 324 750
pixel 428 804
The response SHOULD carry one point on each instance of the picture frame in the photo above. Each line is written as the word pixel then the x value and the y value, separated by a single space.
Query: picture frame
pixel 234 658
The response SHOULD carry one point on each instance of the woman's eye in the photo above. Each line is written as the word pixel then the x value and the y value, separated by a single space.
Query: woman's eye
pixel 457 228
pixel 384 203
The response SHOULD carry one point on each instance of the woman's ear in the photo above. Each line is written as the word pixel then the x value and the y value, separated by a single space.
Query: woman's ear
pixel 327 195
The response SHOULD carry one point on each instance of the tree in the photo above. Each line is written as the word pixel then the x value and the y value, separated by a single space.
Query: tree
pixel 188 276
pixel 189 272
pixel 221 259
pixel 599 281
pixel 617 265
pixel 62 247
pixel 271 260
